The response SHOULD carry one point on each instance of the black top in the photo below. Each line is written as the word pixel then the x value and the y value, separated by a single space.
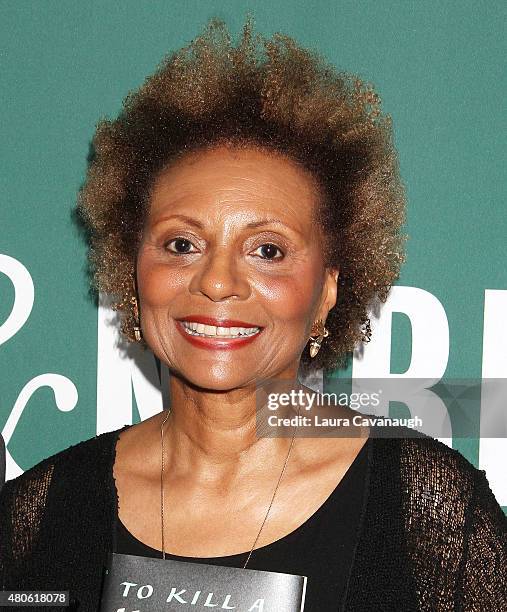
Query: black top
pixel 321 548
pixel 431 534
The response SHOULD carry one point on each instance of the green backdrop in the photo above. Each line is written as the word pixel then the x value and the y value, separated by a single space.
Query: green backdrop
pixel 438 67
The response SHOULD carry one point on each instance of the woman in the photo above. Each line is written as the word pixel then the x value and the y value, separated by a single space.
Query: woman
pixel 252 191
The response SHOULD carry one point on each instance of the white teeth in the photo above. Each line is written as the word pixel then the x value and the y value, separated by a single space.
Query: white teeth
pixel 199 329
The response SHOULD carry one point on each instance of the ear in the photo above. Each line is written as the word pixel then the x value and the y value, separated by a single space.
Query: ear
pixel 329 292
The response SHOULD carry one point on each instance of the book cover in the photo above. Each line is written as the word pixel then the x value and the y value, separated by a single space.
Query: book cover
pixel 144 584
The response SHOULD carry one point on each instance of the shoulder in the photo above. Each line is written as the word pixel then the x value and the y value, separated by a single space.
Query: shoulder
pixel 447 487
pixel 60 494
pixel 436 483
pixel 75 461
pixel 450 520
pixel 418 451
pixel 65 484
pixel 429 463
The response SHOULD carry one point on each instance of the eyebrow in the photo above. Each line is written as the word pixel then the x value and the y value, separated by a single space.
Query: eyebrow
pixel 251 225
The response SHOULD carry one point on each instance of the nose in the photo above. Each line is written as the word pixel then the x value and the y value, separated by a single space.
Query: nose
pixel 219 277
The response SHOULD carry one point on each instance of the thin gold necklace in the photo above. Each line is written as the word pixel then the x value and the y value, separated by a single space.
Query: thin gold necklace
pixel 270 504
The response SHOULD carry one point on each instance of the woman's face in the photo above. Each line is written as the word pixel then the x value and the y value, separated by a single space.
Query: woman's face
pixel 230 241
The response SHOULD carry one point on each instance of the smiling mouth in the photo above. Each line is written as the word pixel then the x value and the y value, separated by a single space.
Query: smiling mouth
pixel 216 332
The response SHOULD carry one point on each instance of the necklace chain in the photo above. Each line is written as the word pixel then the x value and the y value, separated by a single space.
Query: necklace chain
pixel 162 488
pixel 162 480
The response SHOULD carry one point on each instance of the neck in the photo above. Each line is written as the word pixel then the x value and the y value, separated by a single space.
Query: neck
pixel 213 433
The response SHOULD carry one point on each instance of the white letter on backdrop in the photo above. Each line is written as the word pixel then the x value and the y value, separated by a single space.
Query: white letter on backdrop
pixel 120 370
pixel 23 296
pixel 65 392
pixel 66 397
pixel 428 362
pixel 492 451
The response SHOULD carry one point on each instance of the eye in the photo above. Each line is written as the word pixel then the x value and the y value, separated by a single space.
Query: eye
pixel 179 243
pixel 269 251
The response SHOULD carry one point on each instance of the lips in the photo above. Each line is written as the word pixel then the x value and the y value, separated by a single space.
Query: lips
pixel 216 342
pixel 217 322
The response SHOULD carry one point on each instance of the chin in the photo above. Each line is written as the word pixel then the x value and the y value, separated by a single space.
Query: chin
pixel 216 378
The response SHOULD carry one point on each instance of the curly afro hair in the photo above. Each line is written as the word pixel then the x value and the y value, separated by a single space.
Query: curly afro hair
pixel 263 92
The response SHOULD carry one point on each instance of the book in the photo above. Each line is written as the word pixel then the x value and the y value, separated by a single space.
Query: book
pixel 145 584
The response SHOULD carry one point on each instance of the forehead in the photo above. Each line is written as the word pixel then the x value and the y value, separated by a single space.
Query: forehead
pixel 228 179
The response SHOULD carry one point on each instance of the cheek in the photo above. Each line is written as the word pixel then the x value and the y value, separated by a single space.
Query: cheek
pixel 293 297
pixel 158 283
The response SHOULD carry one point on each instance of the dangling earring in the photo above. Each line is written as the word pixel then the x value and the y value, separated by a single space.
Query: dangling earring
pixel 321 332
pixel 137 325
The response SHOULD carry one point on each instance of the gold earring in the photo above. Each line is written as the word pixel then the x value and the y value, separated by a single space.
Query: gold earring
pixel 137 327
pixel 321 332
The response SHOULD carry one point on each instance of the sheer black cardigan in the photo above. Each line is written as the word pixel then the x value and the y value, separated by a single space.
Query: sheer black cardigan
pixel 432 536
